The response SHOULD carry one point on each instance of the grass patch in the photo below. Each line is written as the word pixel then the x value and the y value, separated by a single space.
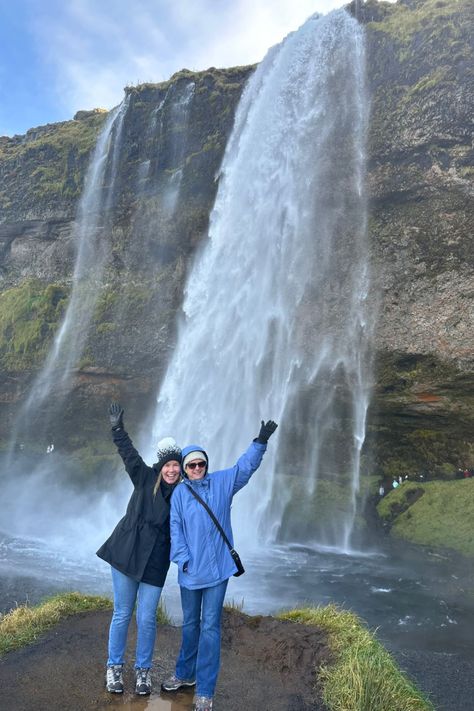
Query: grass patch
pixel 440 518
pixel 362 676
pixel 25 624
pixel 233 605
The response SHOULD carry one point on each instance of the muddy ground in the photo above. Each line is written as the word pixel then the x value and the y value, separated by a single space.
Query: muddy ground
pixel 267 664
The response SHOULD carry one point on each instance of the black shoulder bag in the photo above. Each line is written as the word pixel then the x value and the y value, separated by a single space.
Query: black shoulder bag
pixel 234 554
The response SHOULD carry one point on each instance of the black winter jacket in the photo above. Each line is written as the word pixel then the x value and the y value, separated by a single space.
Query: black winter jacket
pixel 145 528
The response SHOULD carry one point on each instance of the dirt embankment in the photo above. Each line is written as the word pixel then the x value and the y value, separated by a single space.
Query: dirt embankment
pixel 266 664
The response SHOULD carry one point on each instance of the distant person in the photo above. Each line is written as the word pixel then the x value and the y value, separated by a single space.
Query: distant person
pixel 381 490
pixel 205 562
pixel 139 553
pixel 395 483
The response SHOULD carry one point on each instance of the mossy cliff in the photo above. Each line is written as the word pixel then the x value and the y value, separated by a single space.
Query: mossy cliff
pixel 436 514
pixel 420 223
pixel 172 142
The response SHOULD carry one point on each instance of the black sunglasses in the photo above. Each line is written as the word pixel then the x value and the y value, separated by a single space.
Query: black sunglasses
pixel 194 465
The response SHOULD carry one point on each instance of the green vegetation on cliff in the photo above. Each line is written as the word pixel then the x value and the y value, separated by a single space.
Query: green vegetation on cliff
pixel 402 20
pixel 29 316
pixel 435 513
pixel 53 160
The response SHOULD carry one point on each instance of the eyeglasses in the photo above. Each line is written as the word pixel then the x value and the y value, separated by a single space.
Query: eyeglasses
pixel 195 465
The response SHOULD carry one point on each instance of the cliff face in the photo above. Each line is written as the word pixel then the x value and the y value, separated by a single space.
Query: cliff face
pixel 420 224
pixel 163 172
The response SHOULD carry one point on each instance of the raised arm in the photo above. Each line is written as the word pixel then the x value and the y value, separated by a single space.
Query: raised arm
pixel 134 464
pixel 251 459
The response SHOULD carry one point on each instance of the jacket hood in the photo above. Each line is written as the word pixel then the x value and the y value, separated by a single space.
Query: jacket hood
pixel 193 448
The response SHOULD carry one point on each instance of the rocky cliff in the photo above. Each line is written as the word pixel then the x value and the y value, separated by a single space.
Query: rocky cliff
pixel 421 225
pixel 420 222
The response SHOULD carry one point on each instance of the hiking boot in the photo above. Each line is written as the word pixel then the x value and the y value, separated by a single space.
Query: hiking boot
pixel 172 683
pixel 202 703
pixel 143 682
pixel 114 679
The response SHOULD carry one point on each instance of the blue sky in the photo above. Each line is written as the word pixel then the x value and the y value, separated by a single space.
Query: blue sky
pixel 59 56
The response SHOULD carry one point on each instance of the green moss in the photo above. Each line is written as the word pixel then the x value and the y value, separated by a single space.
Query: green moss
pixel 404 21
pixel 226 79
pixel 134 294
pixel 436 514
pixel 106 327
pixel 429 81
pixel 53 158
pixel 29 316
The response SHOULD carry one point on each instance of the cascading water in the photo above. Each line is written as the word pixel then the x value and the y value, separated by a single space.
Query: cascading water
pixel 47 505
pixel 55 378
pixel 179 116
pixel 275 317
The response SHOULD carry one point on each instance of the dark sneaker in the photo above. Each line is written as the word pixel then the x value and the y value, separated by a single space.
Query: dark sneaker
pixel 173 683
pixel 143 682
pixel 202 703
pixel 114 679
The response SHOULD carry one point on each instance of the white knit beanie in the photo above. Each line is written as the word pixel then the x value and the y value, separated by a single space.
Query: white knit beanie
pixel 168 451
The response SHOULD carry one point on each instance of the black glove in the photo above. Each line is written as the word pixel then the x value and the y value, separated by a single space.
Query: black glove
pixel 266 431
pixel 116 415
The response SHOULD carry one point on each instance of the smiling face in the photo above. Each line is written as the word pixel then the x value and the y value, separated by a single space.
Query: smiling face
pixel 196 468
pixel 171 471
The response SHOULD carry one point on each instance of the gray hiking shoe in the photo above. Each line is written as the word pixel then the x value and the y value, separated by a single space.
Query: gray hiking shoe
pixel 202 703
pixel 143 682
pixel 172 683
pixel 114 679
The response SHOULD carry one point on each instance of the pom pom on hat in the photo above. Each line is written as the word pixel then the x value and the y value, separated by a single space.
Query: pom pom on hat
pixel 168 451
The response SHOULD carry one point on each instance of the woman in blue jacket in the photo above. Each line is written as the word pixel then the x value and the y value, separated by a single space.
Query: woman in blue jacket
pixel 204 561
pixel 138 551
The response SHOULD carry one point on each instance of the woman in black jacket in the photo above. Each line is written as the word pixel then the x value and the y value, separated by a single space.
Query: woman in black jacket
pixel 139 552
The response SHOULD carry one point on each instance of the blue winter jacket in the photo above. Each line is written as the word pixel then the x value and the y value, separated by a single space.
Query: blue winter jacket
pixel 195 539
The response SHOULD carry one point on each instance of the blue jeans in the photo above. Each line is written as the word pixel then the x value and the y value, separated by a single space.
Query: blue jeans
pixel 126 591
pixel 199 656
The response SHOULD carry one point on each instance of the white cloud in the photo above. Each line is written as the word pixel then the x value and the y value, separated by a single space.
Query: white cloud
pixel 93 49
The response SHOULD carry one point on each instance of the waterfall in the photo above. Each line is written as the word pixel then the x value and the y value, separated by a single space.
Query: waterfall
pixel 50 505
pixel 54 380
pixel 275 320
pixel 179 117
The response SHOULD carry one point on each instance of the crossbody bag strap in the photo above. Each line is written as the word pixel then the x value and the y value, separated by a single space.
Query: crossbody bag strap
pixel 218 525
